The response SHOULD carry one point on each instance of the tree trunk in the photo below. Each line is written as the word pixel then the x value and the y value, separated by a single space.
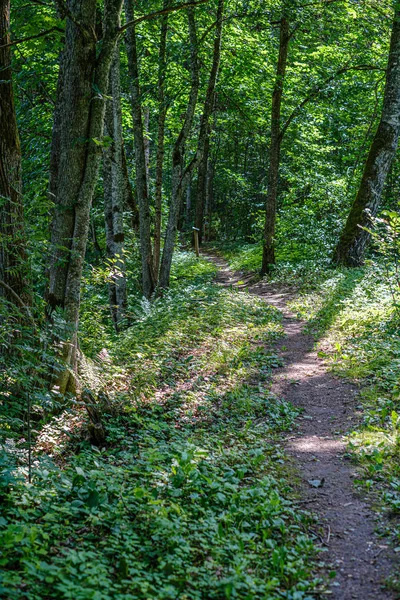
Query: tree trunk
pixel 188 203
pixel 76 155
pixel 181 176
pixel 274 150
pixel 205 129
pixel 113 177
pixel 202 189
pixel 162 113
pixel 148 280
pixel 146 141
pixel 13 259
pixel 353 242
pixel 129 197
pixel 209 199
pixel 178 157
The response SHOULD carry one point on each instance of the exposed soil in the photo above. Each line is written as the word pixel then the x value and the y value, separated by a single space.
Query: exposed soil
pixel 346 523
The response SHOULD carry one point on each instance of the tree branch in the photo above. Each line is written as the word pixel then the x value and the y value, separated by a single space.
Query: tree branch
pixel 319 88
pixel 32 37
pixel 163 11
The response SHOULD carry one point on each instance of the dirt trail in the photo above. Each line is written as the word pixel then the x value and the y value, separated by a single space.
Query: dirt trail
pixel 360 558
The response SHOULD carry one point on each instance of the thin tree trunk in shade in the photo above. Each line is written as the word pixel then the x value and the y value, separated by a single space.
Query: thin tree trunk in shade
pixel 75 160
pixel 129 197
pixel 354 240
pixel 148 280
pixel 162 113
pixel 202 189
pixel 13 258
pixel 181 176
pixel 113 178
pixel 178 156
pixel 188 203
pixel 209 200
pixel 203 144
pixel 146 141
pixel 268 257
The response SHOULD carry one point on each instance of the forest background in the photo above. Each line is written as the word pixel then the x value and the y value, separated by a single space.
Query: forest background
pixel 128 126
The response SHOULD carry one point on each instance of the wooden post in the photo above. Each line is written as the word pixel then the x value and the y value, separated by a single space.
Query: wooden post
pixel 196 240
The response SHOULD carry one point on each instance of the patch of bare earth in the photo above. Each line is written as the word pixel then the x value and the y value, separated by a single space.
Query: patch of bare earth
pixel 346 524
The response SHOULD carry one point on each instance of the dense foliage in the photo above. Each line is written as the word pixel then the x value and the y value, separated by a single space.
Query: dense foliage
pixel 189 494
pixel 141 446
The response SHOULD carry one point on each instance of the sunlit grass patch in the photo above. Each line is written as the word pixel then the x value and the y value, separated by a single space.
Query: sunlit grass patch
pixel 197 320
pixel 243 257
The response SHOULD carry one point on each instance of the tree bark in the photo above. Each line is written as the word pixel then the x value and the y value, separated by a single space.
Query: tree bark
pixel 76 155
pixel 201 190
pixel 162 113
pixel 209 199
pixel 146 141
pixel 354 241
pixel 205 129
pixel 129 197
pixel 181 176
pixel 178 157
pixel 14 271
pixel 148 280
pixel 274 150
pixel 113 178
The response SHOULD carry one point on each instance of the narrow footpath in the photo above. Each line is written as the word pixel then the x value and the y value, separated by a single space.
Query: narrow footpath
pixel 346 523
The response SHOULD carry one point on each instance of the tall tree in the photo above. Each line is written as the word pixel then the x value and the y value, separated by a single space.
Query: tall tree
pixel 148 278
pixel 201 189
pixel 114 178
pixel 14 284
pixel 178 156
pixel 268 257
pixel 205 128
pixel 181 174
pixel 162 113
pixel 76 154
pixel 350 250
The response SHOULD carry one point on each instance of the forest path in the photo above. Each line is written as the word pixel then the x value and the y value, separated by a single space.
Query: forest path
pixel 346 524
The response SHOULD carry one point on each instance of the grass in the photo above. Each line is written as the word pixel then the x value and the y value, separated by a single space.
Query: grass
pixel 242 257
pixel 191 497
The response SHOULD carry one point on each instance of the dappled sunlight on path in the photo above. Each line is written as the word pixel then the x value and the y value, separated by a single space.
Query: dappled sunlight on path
pixel 346 524
pixel 318 449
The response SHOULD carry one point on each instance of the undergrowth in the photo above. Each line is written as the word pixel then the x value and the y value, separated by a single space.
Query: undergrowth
pixel 190 497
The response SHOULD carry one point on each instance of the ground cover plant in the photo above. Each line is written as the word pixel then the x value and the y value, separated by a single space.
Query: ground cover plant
pixel 190 498
pixel 142 145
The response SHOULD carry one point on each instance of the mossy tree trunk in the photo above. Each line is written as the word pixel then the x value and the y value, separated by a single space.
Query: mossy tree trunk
pixel 14 271
pixel 76 154
pixel 351 248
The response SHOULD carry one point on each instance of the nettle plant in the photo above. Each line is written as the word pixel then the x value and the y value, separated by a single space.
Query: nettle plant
pixel 385 233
